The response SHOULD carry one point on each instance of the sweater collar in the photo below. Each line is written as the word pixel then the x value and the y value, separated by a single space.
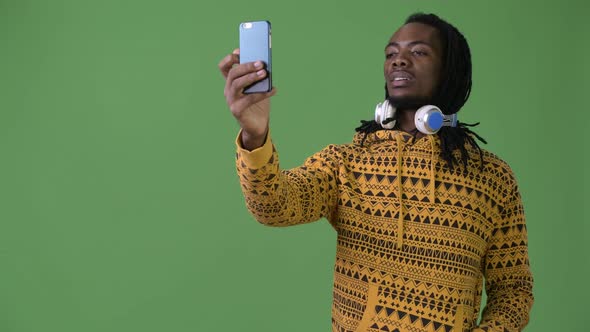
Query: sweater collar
pixel 385 135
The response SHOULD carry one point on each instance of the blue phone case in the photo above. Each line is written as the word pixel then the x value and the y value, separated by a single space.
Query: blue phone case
pixel 255 45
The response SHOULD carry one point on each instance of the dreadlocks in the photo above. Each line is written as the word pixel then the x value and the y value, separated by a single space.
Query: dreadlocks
pixel 453 91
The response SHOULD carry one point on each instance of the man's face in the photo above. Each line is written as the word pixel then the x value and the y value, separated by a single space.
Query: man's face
pixel 412 68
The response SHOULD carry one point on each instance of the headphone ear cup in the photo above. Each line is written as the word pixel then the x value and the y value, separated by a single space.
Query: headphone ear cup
pixel 378 112
pixel 384 111
pixel 428 119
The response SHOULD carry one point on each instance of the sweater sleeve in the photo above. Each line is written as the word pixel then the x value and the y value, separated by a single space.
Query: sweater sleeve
pixel 508 279
pixel 278 197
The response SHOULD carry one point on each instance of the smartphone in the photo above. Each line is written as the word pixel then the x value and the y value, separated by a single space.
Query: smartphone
pixel 255 45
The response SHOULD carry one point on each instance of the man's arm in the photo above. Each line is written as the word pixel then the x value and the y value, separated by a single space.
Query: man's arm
pixel 274 197
pixel 252 111
pixel 287 197
pixel 508 279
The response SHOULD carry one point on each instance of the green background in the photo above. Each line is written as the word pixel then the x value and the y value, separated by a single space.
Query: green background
pixel 120 209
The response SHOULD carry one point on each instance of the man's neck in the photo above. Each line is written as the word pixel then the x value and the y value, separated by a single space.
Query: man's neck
pixel 406 122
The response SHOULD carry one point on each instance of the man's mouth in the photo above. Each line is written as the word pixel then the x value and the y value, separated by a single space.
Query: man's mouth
pixel 401 81
pixel 400 78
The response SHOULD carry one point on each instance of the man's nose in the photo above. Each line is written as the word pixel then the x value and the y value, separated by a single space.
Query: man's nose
pixel 400 61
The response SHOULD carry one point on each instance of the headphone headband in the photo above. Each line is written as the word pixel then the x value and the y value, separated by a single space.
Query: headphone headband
pixel 428 119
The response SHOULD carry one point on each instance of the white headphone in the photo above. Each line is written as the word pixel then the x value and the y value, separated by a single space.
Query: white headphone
pixel 428 119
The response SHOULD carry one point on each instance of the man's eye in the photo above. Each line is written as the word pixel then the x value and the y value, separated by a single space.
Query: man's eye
pixel 390 55
pixel 419 52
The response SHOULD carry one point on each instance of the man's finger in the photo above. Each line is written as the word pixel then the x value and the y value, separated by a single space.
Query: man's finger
pixel 254 98
pixel 238 84
pixel 244 69
pixel 226 64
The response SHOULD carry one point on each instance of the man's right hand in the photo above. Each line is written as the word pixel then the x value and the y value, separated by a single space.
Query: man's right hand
pixel 251 110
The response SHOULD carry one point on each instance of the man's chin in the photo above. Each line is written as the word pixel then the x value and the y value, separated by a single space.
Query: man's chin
pixel 407 102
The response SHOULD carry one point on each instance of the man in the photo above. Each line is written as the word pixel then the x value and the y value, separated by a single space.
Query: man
pixel 422 220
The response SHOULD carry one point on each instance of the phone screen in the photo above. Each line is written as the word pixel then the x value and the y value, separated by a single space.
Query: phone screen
pixel 255 45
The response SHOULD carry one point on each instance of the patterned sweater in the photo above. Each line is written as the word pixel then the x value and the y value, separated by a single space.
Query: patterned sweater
pixel 415 239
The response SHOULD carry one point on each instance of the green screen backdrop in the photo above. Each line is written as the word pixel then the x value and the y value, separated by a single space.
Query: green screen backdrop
pixel 120 209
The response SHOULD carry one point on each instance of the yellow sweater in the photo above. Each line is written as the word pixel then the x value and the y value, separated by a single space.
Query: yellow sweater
pixel 415 239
